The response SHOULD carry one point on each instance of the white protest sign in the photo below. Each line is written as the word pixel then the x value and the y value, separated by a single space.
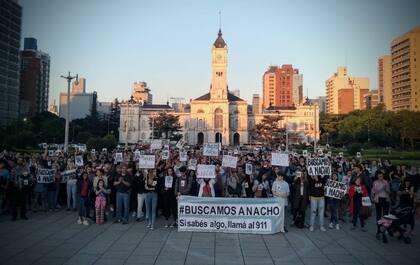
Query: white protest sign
pixel 166 147
pixel 137 155
pixel 366 201
pixel 93 151
pixel 211 149
pixel 165 154
pixel 318 166
pixel 57 152
pixel 329 154
pixel 229 161
pixel 78 160
pixel 335 189
pixel 82 148
pixel 206 171
pixel 305 153
pixel 340 154
pixel 168 181
pixel 358 155
pixel 45 175
pixel 147 161
pixel 118 157
pixel 192 164
pixel 248 168
pixel 104 150
pixel 183 156
pixel 50 152
pixel 280 159
pixel 156 144
pixel 68 174
pixel 320 152
pixel 180 144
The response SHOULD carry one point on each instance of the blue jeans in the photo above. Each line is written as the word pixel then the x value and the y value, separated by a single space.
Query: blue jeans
pixel 71 194
pixel 317 204
pixel 83 201
pixel 123 200
pixel 333 210
pixel 151 204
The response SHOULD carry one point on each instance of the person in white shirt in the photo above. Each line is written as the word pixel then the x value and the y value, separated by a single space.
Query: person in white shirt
pixel 280 189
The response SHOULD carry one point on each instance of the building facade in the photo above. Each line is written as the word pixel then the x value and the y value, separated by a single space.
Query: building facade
pixel 217 116
pixel 10 24
pixel 81 103
pixel 278 87
pixel 34 79
pixel 297 87
pixel 371 99
pixel 384 81
pixel 345 93
pixel 141 93
pixel 405 65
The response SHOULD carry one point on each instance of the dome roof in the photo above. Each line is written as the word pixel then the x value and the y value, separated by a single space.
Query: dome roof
pixel 219 42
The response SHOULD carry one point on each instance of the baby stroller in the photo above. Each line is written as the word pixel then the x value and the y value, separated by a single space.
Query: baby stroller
pixel 391 224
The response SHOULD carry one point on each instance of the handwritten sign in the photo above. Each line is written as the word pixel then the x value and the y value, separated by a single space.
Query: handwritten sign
pixel 280 159
pixel 305 153
pixel 229 161
pixel 335 189
pixel 156 144
pixel 206 171
pixel 45 175
pixel 68 174
pixel 183 156
pixel 211 149
pixel 180 144
pixel 147 161
pixel 318 166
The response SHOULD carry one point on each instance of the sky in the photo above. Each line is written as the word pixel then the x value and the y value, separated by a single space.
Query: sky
pixel 168 43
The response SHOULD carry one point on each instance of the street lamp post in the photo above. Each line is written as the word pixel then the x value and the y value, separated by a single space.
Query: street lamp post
pixel 314 128
pixel 66 132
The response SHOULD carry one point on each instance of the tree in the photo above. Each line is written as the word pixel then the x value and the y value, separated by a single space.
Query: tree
pixel 268 131
pixel 167 125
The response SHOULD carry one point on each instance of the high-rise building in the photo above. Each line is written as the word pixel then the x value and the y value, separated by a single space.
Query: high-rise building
pixel 405 67
pixel 53 108
pixel 81 103
pixel 278 86
pixel 371 99
pixel 384 81
pixel 345 93
pixel 297 87
pixel 256 104
pixel 141 93
pixel 34 79
pixel 10 25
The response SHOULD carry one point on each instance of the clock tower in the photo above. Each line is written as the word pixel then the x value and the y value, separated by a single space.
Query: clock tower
pixel 219 87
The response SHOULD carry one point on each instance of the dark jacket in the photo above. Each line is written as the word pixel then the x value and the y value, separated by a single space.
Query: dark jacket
pixel 296 195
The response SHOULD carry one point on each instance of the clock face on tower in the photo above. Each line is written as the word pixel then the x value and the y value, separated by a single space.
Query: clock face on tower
pixel 219 57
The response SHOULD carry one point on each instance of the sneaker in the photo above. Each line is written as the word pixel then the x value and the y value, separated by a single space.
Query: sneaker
pixel 337 227
pixel 323 229
pixel 111 209
pixel 331 225
pixel 134 214
pixel 311 228
pixel 363 229
pixel 79 221
pixel 353 228
pixel 85 222
pixel 117 221
pixel 148 225
pixel 152 228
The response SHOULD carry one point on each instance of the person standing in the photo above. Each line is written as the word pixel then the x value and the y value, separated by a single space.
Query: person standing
pixel 84 185
pixel 100 201
pixel 300 198
pixel 316 196
pixel 356 192
pixel 138 188
pixel 168 197
pixel 122 187
pixel 281 190
pixel 151 198
pixel 381 195
pixel 334 204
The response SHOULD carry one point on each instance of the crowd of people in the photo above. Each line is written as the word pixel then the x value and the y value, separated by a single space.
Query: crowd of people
pixel 103 190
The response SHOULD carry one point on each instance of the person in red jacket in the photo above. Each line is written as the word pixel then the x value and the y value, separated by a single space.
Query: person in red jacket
pixel 356 192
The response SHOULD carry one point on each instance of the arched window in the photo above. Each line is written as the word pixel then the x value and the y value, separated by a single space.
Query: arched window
pixel 218 118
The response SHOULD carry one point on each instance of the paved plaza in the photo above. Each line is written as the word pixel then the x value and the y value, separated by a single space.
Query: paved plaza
pixel 55 238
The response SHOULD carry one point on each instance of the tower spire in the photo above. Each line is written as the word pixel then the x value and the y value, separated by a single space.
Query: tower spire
pixel 220 21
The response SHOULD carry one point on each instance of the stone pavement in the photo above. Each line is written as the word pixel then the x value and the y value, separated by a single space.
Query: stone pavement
pixel 55 238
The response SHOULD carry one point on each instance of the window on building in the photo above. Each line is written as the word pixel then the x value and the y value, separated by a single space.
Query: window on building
pixel 218 118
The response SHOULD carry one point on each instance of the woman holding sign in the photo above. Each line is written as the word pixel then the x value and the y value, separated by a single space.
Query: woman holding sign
pixel 168 197
pixel 356 192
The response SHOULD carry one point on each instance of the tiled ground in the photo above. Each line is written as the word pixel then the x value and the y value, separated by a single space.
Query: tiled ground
pixel 55 238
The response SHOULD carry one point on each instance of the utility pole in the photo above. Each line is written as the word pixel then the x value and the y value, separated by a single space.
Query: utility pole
pixel 66 132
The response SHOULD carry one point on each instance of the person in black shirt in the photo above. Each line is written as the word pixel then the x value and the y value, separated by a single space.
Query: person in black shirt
pixel 151 183
pixel 140 192
pixel 122 186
